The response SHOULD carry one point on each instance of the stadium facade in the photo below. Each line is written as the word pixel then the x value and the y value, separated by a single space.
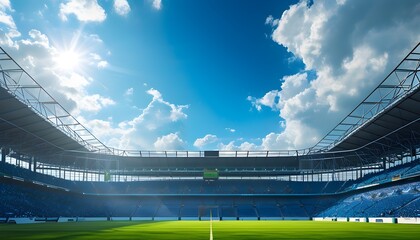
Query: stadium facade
pixel 367 166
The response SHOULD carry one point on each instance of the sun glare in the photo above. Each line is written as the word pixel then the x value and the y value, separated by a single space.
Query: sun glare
pixel 67 60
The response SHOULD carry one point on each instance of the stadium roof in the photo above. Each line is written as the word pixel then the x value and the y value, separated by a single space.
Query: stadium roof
pixel 394 103
pixel 21 126
pixel 32 122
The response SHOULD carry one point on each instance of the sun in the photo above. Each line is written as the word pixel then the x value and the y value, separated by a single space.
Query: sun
pixel 67 60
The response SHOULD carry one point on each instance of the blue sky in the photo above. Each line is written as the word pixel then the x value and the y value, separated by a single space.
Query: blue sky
pixel 197 75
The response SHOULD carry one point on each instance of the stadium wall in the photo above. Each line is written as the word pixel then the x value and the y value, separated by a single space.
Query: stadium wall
pixel 409 220
pixel 67 219
pixel 358 219
pixel 91 219
pixel 355 219
pixel 21 220
pixel 382 220
pixel 120 218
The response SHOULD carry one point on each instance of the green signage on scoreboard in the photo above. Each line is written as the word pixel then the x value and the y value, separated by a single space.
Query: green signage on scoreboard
pixel 210 174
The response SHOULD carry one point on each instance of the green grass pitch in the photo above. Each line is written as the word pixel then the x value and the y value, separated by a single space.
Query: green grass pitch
pixel 190 230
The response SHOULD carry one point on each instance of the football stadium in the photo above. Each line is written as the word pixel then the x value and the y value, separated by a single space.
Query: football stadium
pixel 60 181
pixel 365 170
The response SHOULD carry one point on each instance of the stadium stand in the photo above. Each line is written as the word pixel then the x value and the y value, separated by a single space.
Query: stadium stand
pixel 367 166
pixel 394 201
pixel 175 186
pixel 26 199
pixel 92 199
pixel 401 171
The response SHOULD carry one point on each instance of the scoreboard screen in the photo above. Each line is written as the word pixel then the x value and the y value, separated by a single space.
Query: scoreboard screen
pixel 210 174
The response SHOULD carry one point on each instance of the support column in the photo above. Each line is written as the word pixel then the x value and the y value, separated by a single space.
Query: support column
pixel 3 154
pixel 85 172
pixel 413 152
pixel 118 171
pixel 30 163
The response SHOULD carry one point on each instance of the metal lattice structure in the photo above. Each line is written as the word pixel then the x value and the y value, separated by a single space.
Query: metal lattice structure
pixel 26 89
pixel 382 129
pixel 402 81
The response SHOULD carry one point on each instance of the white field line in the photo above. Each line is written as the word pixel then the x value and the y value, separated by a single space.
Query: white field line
pixel 211 227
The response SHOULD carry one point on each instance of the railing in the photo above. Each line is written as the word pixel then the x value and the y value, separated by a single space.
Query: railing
pixel 239 153
pixel 400 82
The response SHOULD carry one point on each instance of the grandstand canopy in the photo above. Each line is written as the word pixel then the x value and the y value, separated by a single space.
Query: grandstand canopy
pixel 25 130
pixel 34 124
pixel 393 106
pixel 402 118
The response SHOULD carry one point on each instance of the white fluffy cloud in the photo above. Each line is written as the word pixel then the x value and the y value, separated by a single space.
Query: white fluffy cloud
pixel 211 141
pixel 244 146
pixel 157 4
pixel 5 5
pixel 121 7
pixel 102 64
pixel 176 112
pixel 84 10
pixel 4 17
pixel 293 85
pixel 205 141
pixel 155 128
pixel 169 142
pixel 271 21
pixel 9 32
pixel 232 130
pixel 129 92
pixel 67 86
pixel 96 59
pixel 104 130
pixel 269 100
pixel 351 45
pixel 94 103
